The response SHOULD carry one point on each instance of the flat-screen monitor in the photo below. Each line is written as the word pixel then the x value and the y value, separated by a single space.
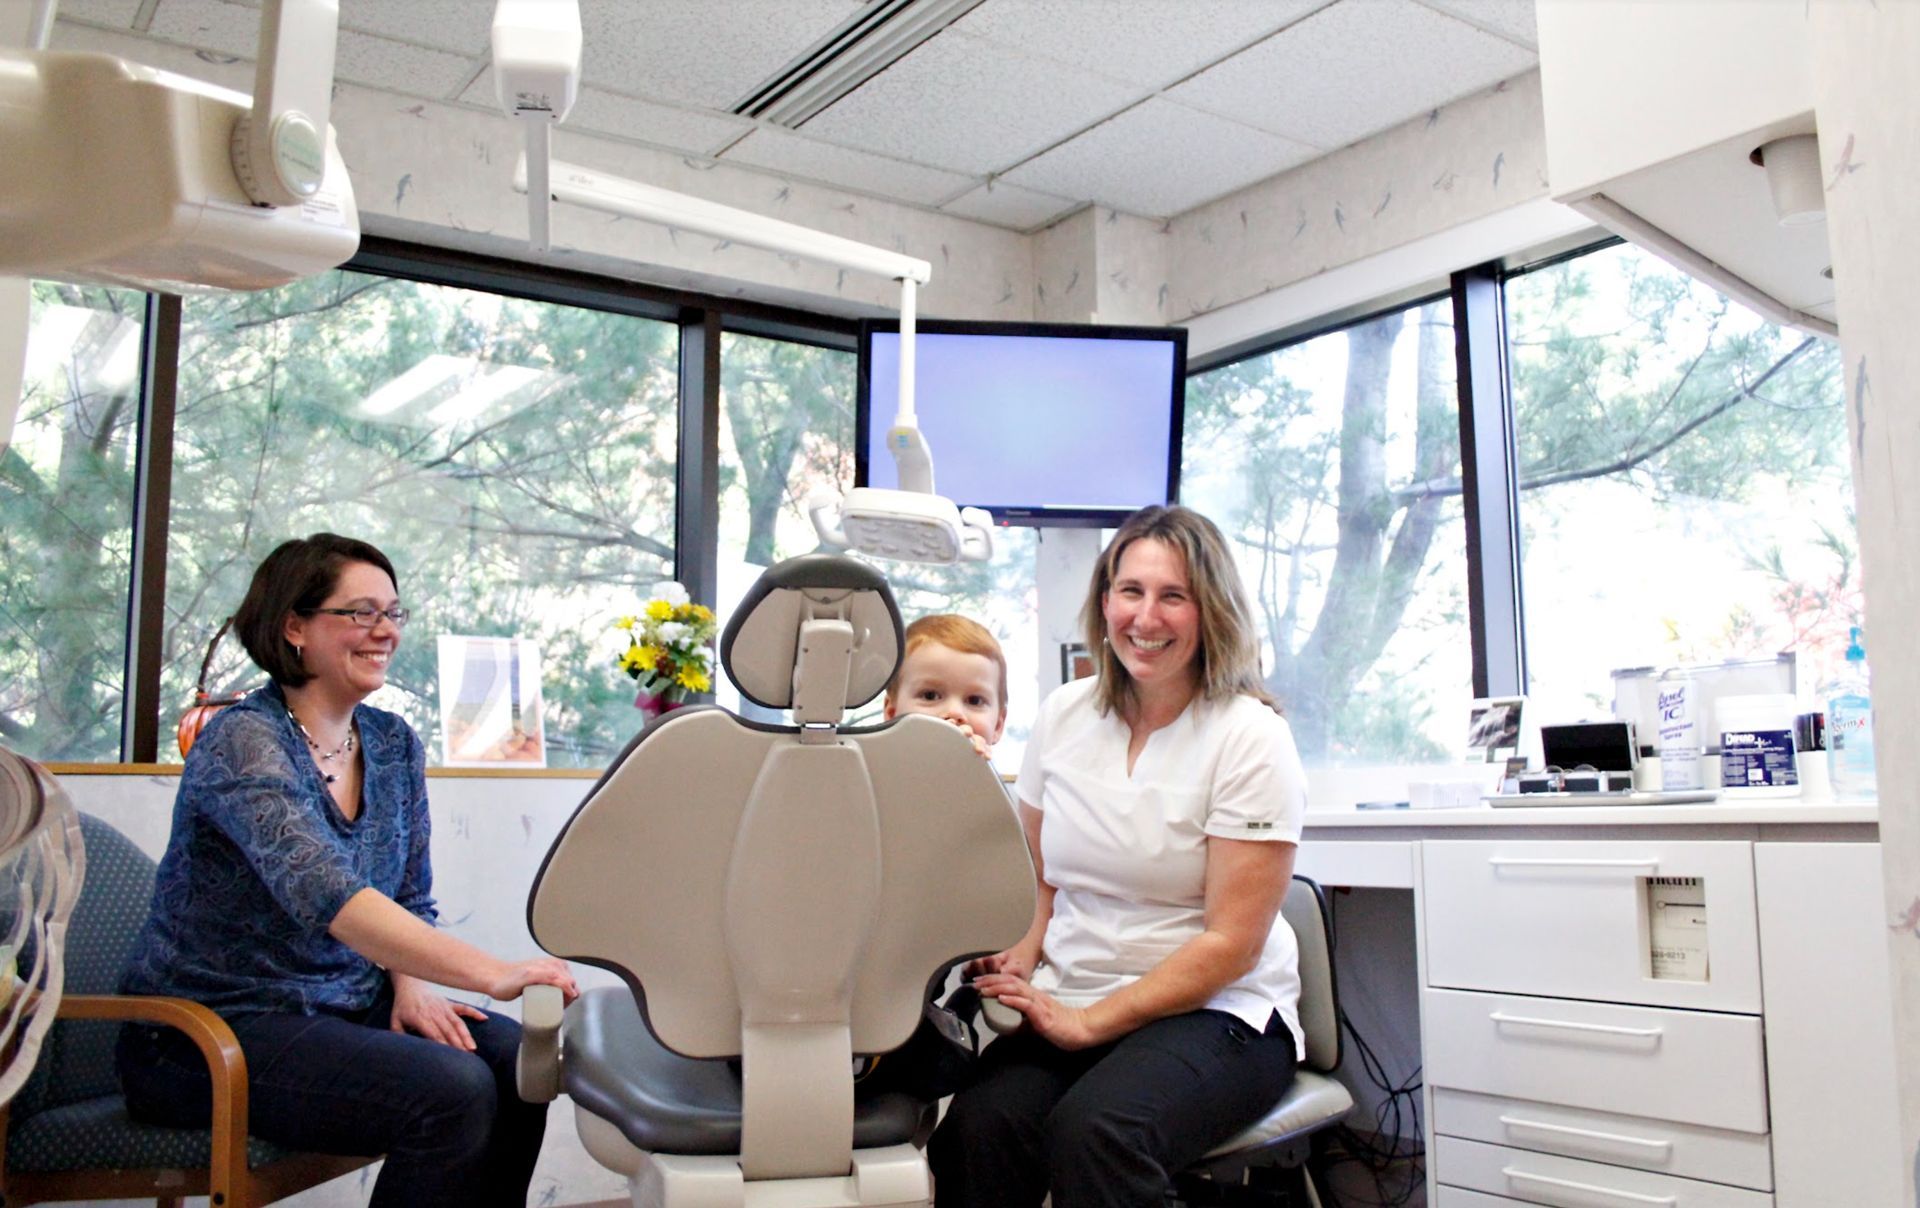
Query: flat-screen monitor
pixel 1038 423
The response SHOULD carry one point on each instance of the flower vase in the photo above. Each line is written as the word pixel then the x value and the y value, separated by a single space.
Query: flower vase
pixel 653 705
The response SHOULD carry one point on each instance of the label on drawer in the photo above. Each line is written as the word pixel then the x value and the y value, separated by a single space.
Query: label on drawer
pixel 1677 928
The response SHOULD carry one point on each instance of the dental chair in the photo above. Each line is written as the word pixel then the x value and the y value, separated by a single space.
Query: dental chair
pixel 776 895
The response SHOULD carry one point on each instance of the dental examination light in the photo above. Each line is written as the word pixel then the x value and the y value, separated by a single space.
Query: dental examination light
pixel 910 524
pixel 121 174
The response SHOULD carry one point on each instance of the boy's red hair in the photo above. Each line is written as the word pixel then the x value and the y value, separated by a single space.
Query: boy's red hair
pixel 955 632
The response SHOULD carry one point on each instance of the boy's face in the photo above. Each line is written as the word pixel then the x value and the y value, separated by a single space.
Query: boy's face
pixel 942 682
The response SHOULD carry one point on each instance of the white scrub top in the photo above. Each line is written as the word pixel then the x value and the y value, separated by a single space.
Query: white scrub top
pixel 1127 855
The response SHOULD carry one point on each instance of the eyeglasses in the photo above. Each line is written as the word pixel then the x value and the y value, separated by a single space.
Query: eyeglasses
pixel 366 616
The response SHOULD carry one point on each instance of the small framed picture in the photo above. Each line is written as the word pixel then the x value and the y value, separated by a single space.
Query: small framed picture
pixel 1493 727
pixel 1075 661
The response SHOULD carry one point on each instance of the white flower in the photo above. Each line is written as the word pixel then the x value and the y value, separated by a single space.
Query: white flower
pixel 671 632
pixel 671 592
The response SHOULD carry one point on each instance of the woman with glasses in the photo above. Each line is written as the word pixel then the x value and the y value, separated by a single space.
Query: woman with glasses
pixel 295 898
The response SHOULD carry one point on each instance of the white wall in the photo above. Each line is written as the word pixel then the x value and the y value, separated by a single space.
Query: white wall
pixel 1866 96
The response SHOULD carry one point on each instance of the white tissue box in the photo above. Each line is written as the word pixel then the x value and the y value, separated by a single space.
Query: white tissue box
pixel 1444 794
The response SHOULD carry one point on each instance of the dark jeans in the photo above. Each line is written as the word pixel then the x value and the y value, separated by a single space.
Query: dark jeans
pixel 451 1124
pixel 1106 1127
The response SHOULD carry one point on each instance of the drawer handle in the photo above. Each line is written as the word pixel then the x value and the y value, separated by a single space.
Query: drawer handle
pixel 1608 1029
pixel 1568 862
pixel 1585 1133
pixel 1634 1197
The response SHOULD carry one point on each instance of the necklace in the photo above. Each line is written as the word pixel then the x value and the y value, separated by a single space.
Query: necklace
pixel 345 748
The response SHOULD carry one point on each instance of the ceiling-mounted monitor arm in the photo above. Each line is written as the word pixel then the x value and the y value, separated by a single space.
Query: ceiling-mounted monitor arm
pixel 279 149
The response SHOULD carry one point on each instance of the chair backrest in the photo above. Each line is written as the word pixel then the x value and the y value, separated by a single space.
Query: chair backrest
pixel 76 1062
pixel 1305 910
pixel 784 893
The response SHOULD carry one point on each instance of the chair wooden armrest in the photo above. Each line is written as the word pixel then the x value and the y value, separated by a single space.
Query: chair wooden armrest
pixel 226 1065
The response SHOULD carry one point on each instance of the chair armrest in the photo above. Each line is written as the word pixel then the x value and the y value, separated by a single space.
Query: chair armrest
pixel 537 1071
pixel 226 1066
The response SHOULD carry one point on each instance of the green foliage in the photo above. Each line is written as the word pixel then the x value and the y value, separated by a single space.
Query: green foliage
pixel 66 507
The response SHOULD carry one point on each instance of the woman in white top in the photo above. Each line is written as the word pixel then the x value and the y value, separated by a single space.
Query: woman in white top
pixel 1162 801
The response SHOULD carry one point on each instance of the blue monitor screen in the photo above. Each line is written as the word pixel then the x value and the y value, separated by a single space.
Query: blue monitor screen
pixel 1037 423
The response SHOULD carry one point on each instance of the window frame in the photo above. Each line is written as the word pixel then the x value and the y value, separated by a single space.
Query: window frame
pixel 1496 604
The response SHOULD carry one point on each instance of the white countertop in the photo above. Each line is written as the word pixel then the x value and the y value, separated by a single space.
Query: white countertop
pixel 1778 811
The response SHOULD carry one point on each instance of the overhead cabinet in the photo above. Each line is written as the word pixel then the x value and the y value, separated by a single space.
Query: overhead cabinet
pixel 1653 111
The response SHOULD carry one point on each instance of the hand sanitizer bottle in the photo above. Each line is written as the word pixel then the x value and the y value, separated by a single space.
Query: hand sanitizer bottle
pixel 1850 727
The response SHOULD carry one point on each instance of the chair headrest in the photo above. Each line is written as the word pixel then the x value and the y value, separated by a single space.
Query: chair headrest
pixel 762 641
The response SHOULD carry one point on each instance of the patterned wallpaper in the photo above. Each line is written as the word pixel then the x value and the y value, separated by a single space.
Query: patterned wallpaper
pixel 1865 94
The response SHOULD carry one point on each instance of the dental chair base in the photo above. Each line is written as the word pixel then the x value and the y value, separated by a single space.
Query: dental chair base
pixel 891 1177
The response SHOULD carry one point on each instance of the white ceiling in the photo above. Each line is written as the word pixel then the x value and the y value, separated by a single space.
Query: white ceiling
pixel 1017 113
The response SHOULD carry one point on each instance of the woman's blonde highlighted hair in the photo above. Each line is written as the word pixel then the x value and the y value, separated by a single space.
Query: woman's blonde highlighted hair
pixel 1229 653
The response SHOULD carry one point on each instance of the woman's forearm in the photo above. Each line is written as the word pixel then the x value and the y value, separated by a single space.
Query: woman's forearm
pixel 386 933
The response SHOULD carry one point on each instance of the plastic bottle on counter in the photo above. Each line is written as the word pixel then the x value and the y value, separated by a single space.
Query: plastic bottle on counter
pixel 1850 727
pixel 1680 744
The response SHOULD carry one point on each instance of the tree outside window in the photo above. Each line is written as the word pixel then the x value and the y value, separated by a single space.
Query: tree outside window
pixel 66 525
pixel 1686 494
pixel 1333 465
pixel 515 459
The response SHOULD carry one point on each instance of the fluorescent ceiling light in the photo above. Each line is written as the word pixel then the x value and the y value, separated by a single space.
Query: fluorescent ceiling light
pixel 484 391
pixel 863 46
pixel 416 383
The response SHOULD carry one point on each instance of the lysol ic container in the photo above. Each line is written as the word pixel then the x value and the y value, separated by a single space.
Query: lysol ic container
pixel 1680 738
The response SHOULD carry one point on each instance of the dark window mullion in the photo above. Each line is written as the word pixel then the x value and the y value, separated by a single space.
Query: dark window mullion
pixel 1490 477
pixel 152 497
pixel 696 542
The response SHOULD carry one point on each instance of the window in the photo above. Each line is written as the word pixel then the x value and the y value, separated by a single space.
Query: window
pixel 786 428
pixel 515 459
pixel 1333 465
pixel 66 525
pixel 1685 487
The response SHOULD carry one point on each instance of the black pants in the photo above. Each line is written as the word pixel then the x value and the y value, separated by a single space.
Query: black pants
pixel 1105 1127
pixel 450 1122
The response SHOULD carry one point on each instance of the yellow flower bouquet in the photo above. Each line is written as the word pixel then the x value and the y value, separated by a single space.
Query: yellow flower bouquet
pixel 669 648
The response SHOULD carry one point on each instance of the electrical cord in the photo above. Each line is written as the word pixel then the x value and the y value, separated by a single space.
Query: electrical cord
pixel 1397 1168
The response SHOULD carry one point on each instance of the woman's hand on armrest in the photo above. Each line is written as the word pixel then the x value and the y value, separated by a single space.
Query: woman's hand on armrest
pixel 380 929
pixel 544 971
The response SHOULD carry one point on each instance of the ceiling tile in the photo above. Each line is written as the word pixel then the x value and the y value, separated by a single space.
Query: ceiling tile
pixel 400 66
pixel 709 53
pixel 1353 69
pixel 784 152
pixel 600 112
pixel 1006 205
pixel 1159 159
pixel 462 26
pixel 213 25
pixel 234 29
pixel 114 14
pixel 1511 19
pixel 970 106
pixel 1152 43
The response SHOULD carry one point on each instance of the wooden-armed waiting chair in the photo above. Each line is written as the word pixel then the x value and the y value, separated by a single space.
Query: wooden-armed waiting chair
pixel 67 1135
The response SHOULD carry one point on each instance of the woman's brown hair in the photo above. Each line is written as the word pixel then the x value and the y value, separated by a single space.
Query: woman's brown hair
pixel 298 575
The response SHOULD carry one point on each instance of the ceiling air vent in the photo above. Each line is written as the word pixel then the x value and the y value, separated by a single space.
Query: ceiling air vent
pixel 861 47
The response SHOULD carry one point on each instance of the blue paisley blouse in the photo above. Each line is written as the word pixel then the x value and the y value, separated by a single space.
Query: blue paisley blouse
pixel 261 860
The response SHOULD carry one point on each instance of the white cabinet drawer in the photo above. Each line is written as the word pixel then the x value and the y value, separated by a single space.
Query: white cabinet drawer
pixel 1536 1178
pixel 1460 1197
pixel 1686 1150
pixel 1694 1067
pixel 1570 919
